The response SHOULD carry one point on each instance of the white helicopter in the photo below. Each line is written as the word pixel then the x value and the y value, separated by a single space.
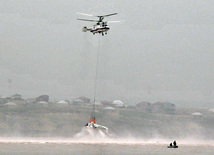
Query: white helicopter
pixel 100 26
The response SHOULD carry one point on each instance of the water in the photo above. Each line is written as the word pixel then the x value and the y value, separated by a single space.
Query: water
pixel 94 142
pixel 109 147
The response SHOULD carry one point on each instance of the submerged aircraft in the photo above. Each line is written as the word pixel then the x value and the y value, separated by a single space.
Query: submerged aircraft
pixel 100 26
pixel 92 123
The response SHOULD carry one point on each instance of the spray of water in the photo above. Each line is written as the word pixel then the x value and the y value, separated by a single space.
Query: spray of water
pixel 96 136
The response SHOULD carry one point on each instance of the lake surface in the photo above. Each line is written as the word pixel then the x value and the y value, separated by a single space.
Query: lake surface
pixel 51 146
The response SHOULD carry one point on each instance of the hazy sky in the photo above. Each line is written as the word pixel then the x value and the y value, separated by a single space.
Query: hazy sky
pixel 162 51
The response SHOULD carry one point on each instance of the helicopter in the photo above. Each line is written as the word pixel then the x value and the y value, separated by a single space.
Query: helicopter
pixel 100 27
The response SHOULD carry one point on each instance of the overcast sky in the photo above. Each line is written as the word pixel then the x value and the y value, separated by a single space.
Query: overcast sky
pixel 162 51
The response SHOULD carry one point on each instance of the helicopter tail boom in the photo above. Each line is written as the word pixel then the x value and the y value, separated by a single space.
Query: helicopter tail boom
pixel 85 29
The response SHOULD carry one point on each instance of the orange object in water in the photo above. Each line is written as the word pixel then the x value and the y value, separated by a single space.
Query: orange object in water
pixel 92 120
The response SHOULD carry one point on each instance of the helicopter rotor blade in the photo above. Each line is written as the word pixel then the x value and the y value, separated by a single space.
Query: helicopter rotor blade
pixel 108 15
pixel 84 14
pixel 88 20
pixel 114 21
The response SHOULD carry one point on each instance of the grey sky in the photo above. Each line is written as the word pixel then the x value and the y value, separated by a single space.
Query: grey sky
pixel 163 51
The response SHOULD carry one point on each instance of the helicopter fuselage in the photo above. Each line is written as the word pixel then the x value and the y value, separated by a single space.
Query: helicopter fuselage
pixel 97 29
pixel 100 29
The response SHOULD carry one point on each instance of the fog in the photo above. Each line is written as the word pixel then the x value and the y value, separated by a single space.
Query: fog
pixel 161 51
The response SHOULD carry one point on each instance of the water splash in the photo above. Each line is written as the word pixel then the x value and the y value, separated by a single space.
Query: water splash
pixel 96 136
